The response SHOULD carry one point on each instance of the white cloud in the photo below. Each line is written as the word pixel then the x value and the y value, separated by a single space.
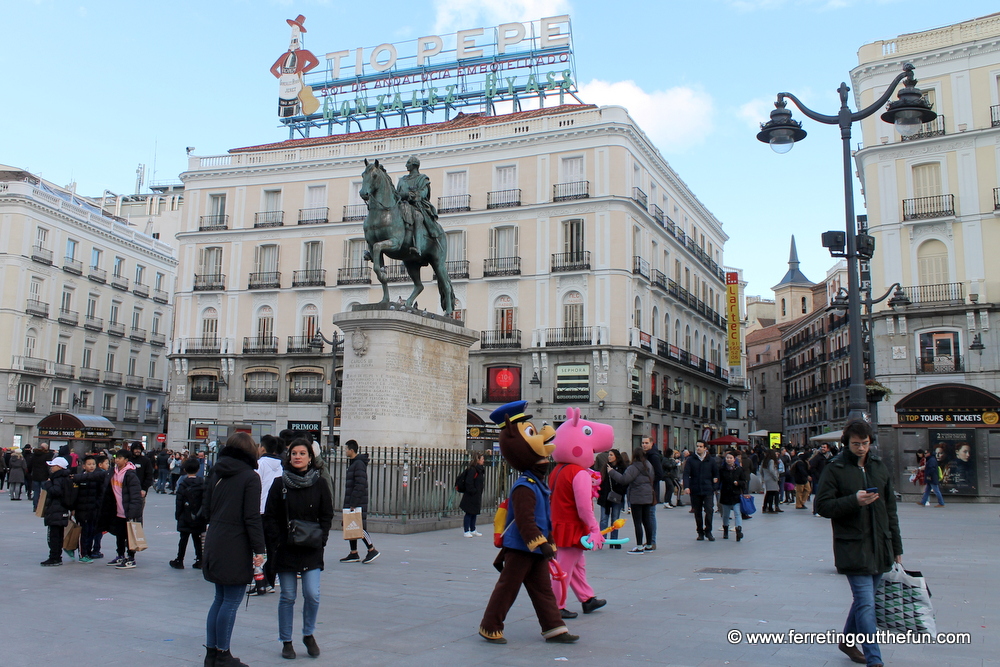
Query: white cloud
pixel 756 112
pixel 820 5
pixel 452 15
pixel 675 119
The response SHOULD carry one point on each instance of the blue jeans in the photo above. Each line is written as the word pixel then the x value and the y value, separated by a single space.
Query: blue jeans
pixel 609 515
pixel 936 488
pixel 36 490
pixel 310 602
pixel 222 615
pixel 735 509
pixel 469 522
pixel 861 617
pixel 162 478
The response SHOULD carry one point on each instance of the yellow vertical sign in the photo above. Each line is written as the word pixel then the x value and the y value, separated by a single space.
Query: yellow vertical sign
pixel 733 316
pixel 774 440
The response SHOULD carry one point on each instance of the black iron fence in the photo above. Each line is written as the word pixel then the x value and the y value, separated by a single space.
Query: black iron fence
pixel 936 206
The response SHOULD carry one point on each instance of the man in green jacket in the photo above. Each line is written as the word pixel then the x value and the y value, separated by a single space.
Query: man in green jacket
pixel 856 493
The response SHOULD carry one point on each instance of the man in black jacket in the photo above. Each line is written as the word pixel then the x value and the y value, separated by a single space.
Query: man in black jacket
pixel 90 482
pixel 656 460
pixel 701 475
pixel 355 496
pixel 57 508
pixel 38 471
pixel 143 468
pixel 816 465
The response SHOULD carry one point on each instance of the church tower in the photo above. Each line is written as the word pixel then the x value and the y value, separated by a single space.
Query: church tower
pixel 793 295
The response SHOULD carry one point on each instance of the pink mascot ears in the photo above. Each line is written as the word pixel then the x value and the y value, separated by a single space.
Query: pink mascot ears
pixel 577 439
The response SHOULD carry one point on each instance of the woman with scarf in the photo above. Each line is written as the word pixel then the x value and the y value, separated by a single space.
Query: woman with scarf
pixel 122 502
pixel 303 497
pixel 733 483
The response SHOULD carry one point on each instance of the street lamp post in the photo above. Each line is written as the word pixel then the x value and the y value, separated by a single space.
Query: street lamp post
pixel 317 341
pixel 907 113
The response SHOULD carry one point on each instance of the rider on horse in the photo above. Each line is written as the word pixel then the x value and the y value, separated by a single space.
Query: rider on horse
pixel 418 212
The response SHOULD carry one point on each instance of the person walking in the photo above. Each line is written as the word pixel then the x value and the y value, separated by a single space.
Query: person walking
pixel 932 480
pixel 16 475
pixel 234 542
pixel 162 470
pixel 772 482
pixel 57 509
pixel 611 494
pixel 355 496
pixel 473 484
pixel 188 501
pixel 816 465
pixel 143 468
pixel 701 474
pixel 269 467
pixel 122 502
pixel 639 477
pixel 734 482
pixel 866 537
pixel 90 482
pixel 176 470
pixel 38 469
pixel 800 478
pixel 656 460
pixel 301 495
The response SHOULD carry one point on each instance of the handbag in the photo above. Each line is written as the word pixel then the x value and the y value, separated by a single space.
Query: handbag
pixel 301 533
pixel 614 497
pixel 903 602
pixel 136 536
pixel 747 505
pixel 71 540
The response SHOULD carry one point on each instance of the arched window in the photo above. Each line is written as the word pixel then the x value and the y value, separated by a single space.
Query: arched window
pixel 655 323
pixel 265 324
pixel 804 305
pixel 573 310
pixel 30 343
pixel 687 338
pixel 305 388
pixel 932 263
pixel 783 312
pixel 209 324
pixel 637 314
pixel 262 387
pixel 666 327
pixel 309 321
pixel 504 313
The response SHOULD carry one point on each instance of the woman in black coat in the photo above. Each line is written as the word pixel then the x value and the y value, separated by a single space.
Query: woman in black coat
pixel 611 506
pixel 90 482
pixel 734 481
pixel 234 543
pixel 473 483
pixel 301 494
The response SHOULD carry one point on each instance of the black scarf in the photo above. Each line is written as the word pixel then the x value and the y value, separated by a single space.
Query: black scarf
pixel 296 481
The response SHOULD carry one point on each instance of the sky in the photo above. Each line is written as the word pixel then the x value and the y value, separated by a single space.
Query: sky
pixel 95 88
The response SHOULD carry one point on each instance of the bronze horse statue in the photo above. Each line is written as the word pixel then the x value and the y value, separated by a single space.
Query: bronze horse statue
pixel 387 234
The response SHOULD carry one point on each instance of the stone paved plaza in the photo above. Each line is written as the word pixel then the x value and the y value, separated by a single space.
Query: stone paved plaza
pixel 421 602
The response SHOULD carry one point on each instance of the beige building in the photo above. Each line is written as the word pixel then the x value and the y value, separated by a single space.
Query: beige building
pixel 591 270
pixel 86 312
pixel 932 205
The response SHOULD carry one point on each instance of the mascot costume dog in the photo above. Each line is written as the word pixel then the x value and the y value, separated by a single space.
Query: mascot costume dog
pixel 526 549
pixel 576 442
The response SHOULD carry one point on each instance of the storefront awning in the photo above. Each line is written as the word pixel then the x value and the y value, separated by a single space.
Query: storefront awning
pixel 66 426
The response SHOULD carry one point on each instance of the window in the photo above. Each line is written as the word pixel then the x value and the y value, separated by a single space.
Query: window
pixel 108 402
pixel 217 205
pixel 152 368
pixel 67 300
pixel 30 343
pixel 110 361
pixel 119 266
pixel 211 261
pixel 115 307
pixel 91 307
pixel 313 256
pixel 354 194
pixel 306 388
pixel 927 179
pixel 158 281
pixel 96 255
pixel 156 322
pixel 316 196
pixel 503 384
pixel 932 263
pixel 783 310
pixel 26 395
pixel 573 310
pixel 272 200
pixel 35 289
pixel 310 321
pixel 266 259
pixel 456 183
pixel 210 324
pixel 572 170
pixel 503 242
pixel 506 178
pixel 140 273
pixel 132 361
pixel 61 348
pixel 71 248
pixel 262 386
pixel 456 246
pixel 204 388
pixel 265 323
pixel 573 238
pixel 803 305
pixel 572 382
pixel 939 352
pixel 637 314
pixel 505 314
pixel 88 354
pixel 130 402
pixel 150 406
pixel 41 237
pixel 137 318
pixel 58 396
pixel 354 253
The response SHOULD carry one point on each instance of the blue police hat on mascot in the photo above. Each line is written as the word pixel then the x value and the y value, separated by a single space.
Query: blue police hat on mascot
pixel 512 412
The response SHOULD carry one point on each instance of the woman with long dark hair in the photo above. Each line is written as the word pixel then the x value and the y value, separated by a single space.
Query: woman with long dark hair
pixel 301 495
pixel 234 543
pixel 611 495
pixel 473 484
pixel 639 477
pixel 769 470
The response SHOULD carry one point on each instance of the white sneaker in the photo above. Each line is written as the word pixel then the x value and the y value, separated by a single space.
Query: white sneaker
pixel 477 533
pixel 469 534
pixel 927 504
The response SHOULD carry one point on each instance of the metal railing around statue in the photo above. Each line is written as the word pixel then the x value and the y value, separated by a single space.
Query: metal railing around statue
pixel 429 490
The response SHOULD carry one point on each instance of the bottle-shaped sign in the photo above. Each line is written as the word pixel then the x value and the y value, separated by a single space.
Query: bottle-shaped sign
pixel 289 85
pixel 288 70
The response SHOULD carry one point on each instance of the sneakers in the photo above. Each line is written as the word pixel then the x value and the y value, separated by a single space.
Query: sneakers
pixel 311 647
pixel 51 562
pixel 566 613
pixel 70 554
pixel 115 561
pixel 709 536
pixel 563 638
pixel 177 564
pixel 86 559
pixel 477 533
pixel 593 604
pixel 126 564
pixel 196 565
pixel 352 557
pixel 650 547
pixel 97 556
pixel 372 555
pixel 636 550
pixel 469 533
pixel 669 506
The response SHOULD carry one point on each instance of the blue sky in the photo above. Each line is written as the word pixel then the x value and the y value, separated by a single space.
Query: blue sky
pixel 95 88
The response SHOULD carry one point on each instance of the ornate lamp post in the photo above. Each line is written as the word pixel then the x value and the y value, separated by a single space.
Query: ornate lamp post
pixel 907 113
pixel 317 341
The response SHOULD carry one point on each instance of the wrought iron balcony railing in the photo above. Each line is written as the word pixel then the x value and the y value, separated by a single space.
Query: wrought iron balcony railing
pixel 567 336
pixel 203 345
pixel 264 280
pixel 396 273
pixel 254 395
pixel 503 198
pixel 137 334
pixel 454 203
pixel 64 371
pixel 640 267
pixel 73 266
pixel 134 382
pixel 41 255
pixel 573 190
pixel 154 384
pixel 935 293
pixel 500 339
pixel 97 274
pixel 113 378
pixel 314 216
pixel 160 296
pixel 207 282
pixel 205 393
pixel 158 339
pixel 68 317
pixel 90 375
pixel 116 329
pixel 935 128
pixel 640 197
pixel 571 261
pixel 355 212
pixel 922 208
pixel 119 282
pixel 208 223
pixel 307 395
pixel 501 266
pixel 260 345
pixel 309 278
pixel 303 345
pixel 458 268
pixel 268 219
pixel 140 290
pixel 37 308
pixel 354 275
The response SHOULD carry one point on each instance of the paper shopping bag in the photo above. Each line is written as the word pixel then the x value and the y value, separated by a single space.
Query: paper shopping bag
pixel 136 537
pixel 353 526
pixel 71 538
pixel 43 496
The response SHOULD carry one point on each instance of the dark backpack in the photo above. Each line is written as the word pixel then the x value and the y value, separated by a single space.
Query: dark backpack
pixel 460 482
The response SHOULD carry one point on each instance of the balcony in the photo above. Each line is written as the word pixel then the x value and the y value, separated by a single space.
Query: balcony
pixel 130 416
pixel 268 219
pixel 458 269
pixel 154 384
pixel 354 275
pixel 160 296
pixel 134 382
pixel 203 345
pixel 119 282
pixel 573 190
pixel 303 345
pixel 64 371
pixel 454 204
pixel 113 378
pixel 260 345
pixel 264 280
pixel 29 364
pixel 98 275
pixel 212 223
pixel 995 115
pixel 924 208
pixel 571 261
pixel 501 266
pixel 396 273
pixel 943 293
pixel 657 214
pixel 138 335
pixel 355 212
pixel 640 267
pixel 200 393
pixel 37 308
pixel 659 280
pixel 314 216
pixel 151 418
pixel 25 406
pixel 935 128
pixel 70 317
pixel 41 255
pixel 84 409
pixel 309 278
pixel 90 375
pixel 261 395
pixel 568 336
pixel 140 290
pixel 996 199
pixel 500 339
pixel 503 198
pixel 636 397
pixel 209 282
pixel 116 329
pixel 73 266
pixel 640 197
pixel 158 339
pixel 305 395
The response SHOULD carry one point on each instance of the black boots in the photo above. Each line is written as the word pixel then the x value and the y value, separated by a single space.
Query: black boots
pixel 593 604
pixel 725 532
pixel 287 651
pixel 739 533
pixel 312 648
pixel 226 659
pixel 210 654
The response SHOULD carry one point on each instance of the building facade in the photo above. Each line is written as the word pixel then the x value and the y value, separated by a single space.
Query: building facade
pixel 592 272
pixel 932 203
pixel 86 312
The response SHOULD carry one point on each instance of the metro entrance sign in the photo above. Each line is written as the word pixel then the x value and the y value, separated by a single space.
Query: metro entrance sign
pixel 389 82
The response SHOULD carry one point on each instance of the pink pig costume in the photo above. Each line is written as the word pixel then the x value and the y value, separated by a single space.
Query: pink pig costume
pixel 577 441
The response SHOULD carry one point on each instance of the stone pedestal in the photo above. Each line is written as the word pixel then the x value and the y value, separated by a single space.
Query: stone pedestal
pixel 405 378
